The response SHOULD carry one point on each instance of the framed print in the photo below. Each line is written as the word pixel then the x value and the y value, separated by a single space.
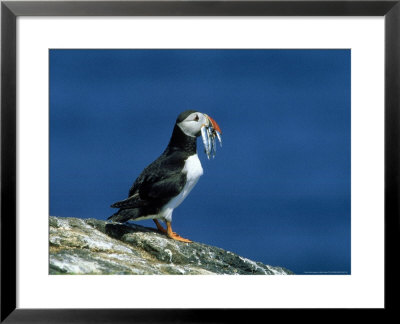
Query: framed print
pixel 303 97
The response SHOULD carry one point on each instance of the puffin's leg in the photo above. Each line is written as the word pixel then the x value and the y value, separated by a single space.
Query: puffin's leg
pixel 159 226
pixel 175 236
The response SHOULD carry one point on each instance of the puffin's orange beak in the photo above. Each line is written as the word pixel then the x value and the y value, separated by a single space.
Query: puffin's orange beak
pixel 214 124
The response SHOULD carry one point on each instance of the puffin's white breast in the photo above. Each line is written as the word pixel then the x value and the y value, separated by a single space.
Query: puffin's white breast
pixel 194 171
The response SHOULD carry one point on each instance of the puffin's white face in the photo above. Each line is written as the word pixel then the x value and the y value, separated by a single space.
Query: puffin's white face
pixel 193 123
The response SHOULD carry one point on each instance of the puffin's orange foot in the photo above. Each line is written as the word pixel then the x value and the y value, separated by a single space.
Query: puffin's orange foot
pixel 175 236
pixel 159 226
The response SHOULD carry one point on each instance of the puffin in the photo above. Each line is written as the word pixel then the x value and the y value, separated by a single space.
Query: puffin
pixel 165 183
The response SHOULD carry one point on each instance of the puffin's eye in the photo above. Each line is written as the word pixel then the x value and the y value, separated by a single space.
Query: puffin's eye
pixel 196 118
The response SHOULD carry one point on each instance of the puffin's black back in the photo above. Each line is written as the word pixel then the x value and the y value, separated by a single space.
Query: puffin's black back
pixel 162 180
pixel 170 163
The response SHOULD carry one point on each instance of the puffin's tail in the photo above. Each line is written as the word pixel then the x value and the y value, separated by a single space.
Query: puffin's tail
pixel 130 202
pixel 123 215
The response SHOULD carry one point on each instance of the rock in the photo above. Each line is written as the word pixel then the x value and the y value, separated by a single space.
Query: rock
pixel 91 246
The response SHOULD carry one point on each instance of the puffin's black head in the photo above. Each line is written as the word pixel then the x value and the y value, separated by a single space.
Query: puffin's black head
pixel 191 122
pixel 183 115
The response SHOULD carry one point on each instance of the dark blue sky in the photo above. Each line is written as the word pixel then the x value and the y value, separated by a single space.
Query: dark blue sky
pixel 279 189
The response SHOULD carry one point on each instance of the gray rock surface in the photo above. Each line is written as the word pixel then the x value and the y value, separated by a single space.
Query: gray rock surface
pixel 91 246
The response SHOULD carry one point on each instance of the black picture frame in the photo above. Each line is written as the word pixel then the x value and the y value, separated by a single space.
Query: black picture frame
pixel 10 10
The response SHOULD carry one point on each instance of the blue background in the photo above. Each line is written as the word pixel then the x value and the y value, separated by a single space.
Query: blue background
pixel 278 190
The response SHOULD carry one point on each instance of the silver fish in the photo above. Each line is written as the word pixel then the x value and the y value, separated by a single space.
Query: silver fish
pixel 214 144
pixel 204 136
pixel 219 137
pixel 210 140
pixel 209 135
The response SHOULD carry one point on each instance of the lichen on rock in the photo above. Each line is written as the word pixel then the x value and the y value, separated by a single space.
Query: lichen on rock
pixel 91 246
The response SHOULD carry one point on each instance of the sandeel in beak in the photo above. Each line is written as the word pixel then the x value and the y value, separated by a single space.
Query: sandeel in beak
pixel 209 133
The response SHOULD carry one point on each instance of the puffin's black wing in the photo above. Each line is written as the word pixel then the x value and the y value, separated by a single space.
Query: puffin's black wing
pixel 157 184
pixel 164 188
